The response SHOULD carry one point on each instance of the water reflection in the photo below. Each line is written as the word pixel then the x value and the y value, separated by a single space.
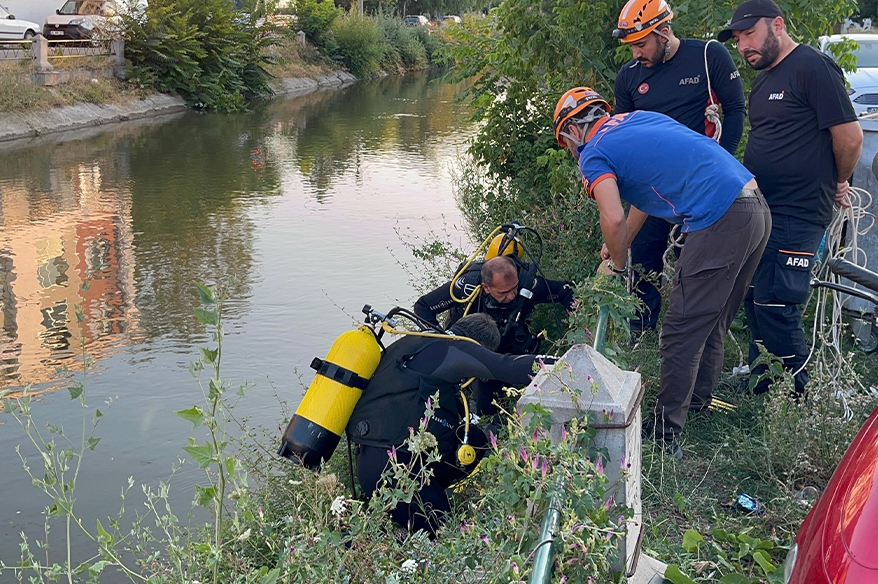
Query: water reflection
pixel 102 237
pixel 65 263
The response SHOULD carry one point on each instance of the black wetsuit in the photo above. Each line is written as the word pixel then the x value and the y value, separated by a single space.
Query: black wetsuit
pixel 413 370
pixel 517 338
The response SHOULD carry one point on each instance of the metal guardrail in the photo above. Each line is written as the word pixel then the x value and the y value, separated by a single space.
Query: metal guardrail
pixel 15 50
pixel 545 551
pixel 66 49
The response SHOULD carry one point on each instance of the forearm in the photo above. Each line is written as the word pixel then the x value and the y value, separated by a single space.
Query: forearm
pixel 847 145
pixel 733 129
pixel 615 232
pixel 636 219
pixel 846 160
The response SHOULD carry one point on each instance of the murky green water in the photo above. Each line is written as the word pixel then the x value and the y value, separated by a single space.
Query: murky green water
pixel 299 201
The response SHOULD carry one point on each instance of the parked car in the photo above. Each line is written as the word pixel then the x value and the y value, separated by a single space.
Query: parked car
pixel 413 20
pixel 87 19
pixel 450 19
pixel 863 82
pixel 12 29
pixel 838 541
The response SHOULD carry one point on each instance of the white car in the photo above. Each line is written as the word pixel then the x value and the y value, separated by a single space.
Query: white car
pixel 864 81
pixel 12 29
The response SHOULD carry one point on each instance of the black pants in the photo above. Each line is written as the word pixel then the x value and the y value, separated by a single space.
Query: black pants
pixel 430 505
pixel 780 284
pixel 648 250
pixel 710 281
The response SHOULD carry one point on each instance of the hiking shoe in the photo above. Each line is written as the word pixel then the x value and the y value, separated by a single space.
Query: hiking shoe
pixel 667 445
pixel 670 447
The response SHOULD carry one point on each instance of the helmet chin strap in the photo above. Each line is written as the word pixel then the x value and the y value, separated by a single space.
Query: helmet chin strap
pixel 596 112
pixel 667 53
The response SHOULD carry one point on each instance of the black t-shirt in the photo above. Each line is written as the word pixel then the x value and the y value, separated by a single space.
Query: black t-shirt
pixel 678 89
pixel 792 107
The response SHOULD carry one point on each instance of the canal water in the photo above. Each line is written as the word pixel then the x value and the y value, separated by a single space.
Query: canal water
pixel 302 201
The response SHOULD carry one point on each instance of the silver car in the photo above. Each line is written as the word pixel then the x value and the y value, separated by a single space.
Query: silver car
pixel 863 83
pixel 12 29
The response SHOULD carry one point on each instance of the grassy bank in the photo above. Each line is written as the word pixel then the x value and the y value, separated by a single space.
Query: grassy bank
pixel 20 94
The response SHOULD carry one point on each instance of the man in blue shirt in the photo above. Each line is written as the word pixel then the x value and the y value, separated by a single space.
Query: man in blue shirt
pixel 689 80
pixel 663 169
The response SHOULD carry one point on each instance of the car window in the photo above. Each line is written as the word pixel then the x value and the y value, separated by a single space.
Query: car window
pixel 3 13
pixel 867 54
pixel 71 7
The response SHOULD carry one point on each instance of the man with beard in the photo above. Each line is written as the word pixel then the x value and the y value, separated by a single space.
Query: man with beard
pixel 680 78
pixel 803 147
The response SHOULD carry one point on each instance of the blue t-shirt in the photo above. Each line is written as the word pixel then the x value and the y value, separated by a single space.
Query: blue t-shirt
pixel 663 168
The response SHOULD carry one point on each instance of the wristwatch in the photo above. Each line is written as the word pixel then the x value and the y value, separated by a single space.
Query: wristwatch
pixel 616 270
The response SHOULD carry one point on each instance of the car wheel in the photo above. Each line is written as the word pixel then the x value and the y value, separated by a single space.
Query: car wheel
pixel 869 345
pixel 29 35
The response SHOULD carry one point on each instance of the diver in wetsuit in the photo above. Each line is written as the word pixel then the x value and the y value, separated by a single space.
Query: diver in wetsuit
pixel 413 370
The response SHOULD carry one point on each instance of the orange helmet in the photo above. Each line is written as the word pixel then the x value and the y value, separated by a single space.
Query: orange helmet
pixel 575 102
pixel 641 17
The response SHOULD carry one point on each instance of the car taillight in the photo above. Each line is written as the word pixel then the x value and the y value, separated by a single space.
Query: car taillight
pixel 790 563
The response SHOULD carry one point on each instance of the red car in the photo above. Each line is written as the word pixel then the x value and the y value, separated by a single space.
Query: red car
pixel 838 542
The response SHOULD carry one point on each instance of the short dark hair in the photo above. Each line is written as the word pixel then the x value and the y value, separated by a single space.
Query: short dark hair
pixel 479 327
pixel 500 265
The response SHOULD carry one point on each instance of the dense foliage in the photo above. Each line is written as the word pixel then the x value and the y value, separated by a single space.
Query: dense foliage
pixel 202 50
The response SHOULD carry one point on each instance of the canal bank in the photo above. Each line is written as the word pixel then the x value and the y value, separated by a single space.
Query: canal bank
pixel 24 126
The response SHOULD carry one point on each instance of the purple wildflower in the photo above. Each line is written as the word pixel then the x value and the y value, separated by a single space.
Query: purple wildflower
pixel 545 467
pixel 493 440
pixel 523 453
pixel 563 432
pixel 536 462
pixel 600 464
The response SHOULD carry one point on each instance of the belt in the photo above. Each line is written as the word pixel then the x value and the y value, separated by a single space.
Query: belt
pixel 749 194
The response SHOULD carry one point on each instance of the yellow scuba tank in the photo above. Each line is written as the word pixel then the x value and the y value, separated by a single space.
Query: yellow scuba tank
pixel 316 428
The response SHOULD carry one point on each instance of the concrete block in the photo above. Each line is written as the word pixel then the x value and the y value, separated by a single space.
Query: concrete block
pixel 590 386
pixel 649 571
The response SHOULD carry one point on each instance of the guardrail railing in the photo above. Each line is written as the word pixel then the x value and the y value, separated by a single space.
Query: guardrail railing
pixel 43 51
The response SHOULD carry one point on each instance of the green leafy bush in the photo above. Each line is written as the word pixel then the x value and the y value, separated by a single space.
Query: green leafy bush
pixel 201 50
pixel 315 18
pixel 358 44
pixel 402 44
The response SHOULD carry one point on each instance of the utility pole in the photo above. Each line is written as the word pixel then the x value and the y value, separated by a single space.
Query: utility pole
pixel 361 7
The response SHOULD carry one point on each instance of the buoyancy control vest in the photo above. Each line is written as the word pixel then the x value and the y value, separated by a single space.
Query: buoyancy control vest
pixel 395 398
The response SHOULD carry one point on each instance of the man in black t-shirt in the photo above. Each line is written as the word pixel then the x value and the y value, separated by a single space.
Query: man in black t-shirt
pixel 668 75
pixel 803 146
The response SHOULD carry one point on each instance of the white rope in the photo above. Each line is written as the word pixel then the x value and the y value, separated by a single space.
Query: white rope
pixel 828 324
pixel 712 110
